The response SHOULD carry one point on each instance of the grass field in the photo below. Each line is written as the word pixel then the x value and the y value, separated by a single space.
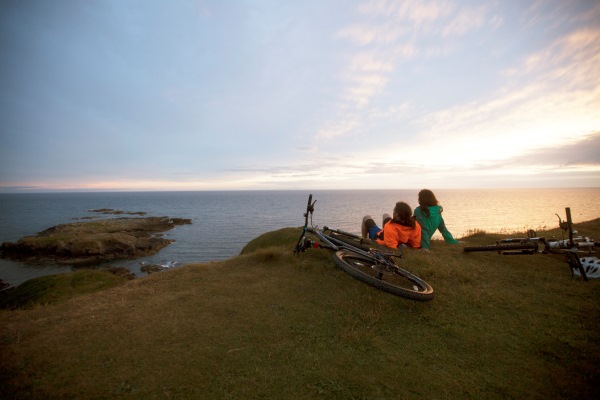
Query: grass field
pixel 269 325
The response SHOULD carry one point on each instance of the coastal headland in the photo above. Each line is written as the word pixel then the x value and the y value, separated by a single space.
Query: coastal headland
pixel 94 241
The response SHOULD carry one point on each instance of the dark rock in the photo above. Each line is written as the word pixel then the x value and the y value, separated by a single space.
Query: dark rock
pixel 152 268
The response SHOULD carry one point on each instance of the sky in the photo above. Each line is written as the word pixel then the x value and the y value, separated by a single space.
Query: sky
pixel 298 94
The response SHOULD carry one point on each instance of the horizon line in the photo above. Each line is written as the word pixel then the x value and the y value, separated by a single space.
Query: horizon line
pixel 21 190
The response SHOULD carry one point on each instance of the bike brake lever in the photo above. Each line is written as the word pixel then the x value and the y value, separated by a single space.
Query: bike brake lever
pixel 562 224
pixel 311 208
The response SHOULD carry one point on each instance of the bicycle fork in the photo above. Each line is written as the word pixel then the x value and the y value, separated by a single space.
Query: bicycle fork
pixel 575 264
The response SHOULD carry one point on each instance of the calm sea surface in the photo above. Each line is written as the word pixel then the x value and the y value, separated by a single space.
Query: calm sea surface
pixel 223 222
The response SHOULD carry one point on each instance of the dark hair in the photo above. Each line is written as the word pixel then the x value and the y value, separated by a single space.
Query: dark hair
pixel 403 214
pixel 427 199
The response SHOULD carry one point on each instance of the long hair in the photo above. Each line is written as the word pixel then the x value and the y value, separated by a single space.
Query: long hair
pixel 427 199
pixel 403 214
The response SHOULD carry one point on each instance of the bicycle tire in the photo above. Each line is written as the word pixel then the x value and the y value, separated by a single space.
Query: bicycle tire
pixel 502 247
pixel 399 282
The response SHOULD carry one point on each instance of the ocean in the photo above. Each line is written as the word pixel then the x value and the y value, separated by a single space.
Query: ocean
pixel 224 221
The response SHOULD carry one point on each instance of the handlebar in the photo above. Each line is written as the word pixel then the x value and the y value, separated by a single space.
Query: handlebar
pixel 569 225
pixel 310 208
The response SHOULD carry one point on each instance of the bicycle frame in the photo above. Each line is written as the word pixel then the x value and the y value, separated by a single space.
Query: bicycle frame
pixel 555 246
pixel 567 247
pixel 331 243
pixel 334 244
pixel 549 246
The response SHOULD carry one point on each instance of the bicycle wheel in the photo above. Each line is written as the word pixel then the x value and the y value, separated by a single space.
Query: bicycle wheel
pixel 530 246
pixel 396 281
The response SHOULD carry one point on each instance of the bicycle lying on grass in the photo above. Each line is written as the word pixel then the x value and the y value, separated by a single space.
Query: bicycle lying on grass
pixel 577 250
pixel 354 256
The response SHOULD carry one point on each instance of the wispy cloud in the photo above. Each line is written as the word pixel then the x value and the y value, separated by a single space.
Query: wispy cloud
pixel 388 33
pixel 306 148
pixel 584 152
pixel 536 122
pixel 366 34
pixel 466 20
pixel 579 158
pixel 547 100
pixel 9 188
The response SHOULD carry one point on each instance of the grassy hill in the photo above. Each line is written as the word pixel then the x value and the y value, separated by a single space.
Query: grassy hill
pixel 267 324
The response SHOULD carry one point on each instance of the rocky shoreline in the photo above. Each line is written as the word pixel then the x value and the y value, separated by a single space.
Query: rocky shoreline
pixel 96 241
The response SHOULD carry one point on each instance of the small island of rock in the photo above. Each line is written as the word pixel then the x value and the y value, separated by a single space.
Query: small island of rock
pixel 94 241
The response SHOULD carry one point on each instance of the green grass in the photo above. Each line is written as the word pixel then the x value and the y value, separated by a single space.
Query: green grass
pixel 267 324
pixel 53 289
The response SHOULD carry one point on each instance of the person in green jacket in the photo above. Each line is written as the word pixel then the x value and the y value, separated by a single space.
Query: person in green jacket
pixel 429 216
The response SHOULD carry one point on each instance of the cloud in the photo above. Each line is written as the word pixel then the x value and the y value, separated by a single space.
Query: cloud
pixel 440 18
pixel 573 57
pixel 536 124
pixel 371 63
pixel 337 128
pixel 9 188
pixel 412 10
pixel 466 20
pixel 317 168
pixel 365 87
pixel 307 148
pixel 576 164
pixel 584 152
pixel 547 100
pixel 386 34
pixel 365 34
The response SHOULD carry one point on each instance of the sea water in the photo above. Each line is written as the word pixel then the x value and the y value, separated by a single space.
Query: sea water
pixel 224 221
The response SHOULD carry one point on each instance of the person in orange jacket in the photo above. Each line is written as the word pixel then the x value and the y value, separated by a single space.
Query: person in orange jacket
pixel 400 229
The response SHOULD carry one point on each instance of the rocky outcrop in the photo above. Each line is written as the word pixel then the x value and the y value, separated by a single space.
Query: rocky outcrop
pixel 94 241
pixel 152 268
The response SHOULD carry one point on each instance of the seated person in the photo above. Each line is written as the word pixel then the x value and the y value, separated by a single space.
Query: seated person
pixel 401 229
pixel 429 215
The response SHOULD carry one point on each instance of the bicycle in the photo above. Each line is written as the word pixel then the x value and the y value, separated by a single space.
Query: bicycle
pixel 571 248
pixel 355 256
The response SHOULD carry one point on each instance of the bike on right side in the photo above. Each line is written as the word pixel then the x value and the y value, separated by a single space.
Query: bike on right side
pixel 579 251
